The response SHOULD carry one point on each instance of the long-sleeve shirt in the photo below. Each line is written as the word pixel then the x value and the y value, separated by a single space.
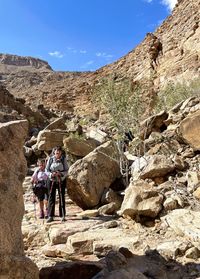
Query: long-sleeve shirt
pixel 39 175
pixel 54 165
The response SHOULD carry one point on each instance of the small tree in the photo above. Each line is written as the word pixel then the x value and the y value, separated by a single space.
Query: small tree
pixel 122 100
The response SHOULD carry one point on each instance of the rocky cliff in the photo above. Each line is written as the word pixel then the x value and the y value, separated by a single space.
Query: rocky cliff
pixel 171 53
pixel 13 108
pixel 14 264
pixel 11 63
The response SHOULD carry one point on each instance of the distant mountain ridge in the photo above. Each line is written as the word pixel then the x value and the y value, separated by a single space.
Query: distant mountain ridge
pixel 171 53
pixel 11 63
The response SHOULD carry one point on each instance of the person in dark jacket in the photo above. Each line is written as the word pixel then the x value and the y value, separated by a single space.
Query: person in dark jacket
pixel 56 169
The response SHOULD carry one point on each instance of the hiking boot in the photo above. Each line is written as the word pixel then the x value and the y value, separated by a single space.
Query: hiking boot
pixel 50 219
pixel 46 214
pixel 41 214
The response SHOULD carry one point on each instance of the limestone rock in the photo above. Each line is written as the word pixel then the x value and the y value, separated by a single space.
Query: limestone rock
pixel 79 146
pixel 193 179
pixel 100 240
pixel 170 204
pixel 197 193
pixel 88 177
pixel 168 54
pixel 16 62
pixel 110 196
pixel 47 140
pixel 14 108
pixel 157 166
pixel 97 135
pixel 184 222
pixel 189 128
pixel 58 124
pixel 154 123
pixel 192 253
pixel 108 209
pixel 172 249
pixel 14 264
pixel 141 199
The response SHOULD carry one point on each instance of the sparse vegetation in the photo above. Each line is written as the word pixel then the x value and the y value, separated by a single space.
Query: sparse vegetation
pixel 173 93
pixel 122 101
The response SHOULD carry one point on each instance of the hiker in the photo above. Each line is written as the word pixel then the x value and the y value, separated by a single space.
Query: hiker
pixel 56 169
pixel 39 182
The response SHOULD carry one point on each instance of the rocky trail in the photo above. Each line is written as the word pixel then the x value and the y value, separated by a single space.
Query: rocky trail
pixel 118 247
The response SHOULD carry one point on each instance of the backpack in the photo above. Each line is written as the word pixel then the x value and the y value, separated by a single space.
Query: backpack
pixel 62 161
pixel 39 185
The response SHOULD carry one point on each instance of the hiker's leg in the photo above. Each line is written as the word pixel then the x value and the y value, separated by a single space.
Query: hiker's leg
pixel 46 208
pixel 51 203
pixel 46 197
pixel 40 197
pixel 41 204
pixel 62 199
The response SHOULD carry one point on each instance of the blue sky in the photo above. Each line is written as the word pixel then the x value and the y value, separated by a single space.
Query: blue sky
pixel 78 35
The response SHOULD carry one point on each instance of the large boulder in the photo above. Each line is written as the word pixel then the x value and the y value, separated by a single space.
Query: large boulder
pixel 97 135
pixel 79 146
pixel 185 223
pixel 14 264
pixel 189 130
pixel 88 177
pixel 151 166
pixel 154 123
pixel 58 123
pixel 47 139
pixel 157 166
pixel 141 199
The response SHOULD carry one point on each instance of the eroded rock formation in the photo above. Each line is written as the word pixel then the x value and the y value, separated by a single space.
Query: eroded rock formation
pixel 14 264
pixel 171 53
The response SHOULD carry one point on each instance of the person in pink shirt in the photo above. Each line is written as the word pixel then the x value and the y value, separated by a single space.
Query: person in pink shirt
pixel 39 182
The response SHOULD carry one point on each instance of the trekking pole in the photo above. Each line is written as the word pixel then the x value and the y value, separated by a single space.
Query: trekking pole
pixel 50 192
pixel 34 205
pixel 61 199
pixel 33 200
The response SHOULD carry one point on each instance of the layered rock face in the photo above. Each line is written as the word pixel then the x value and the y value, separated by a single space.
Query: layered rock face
pixel 171 53
pixel 10 62
pixel 14 264
pixel 14 108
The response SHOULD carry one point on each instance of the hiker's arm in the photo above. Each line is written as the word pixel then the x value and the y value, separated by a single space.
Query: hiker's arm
pixel 34 177
pixel 65 171
pixel 47 169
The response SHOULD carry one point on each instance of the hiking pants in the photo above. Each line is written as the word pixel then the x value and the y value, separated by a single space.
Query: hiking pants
pixel 52 187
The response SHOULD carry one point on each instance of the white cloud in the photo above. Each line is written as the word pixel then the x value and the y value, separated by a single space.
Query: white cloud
pixel 104 55
pixel 56 54
pixel 169 3
pixel 148 1
pixel 73 50
pixel 87 64
pixel 90 62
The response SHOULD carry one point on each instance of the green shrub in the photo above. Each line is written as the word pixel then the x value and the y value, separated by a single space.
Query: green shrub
pixel 122 100
pixel 174 93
